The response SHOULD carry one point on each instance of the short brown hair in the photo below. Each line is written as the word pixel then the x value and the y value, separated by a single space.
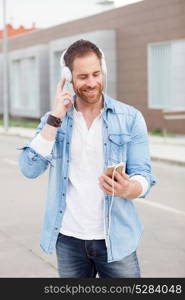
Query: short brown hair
pixel 80 48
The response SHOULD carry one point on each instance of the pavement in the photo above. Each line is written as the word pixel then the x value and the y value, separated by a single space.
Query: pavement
pixel 165 149
pixel 162 247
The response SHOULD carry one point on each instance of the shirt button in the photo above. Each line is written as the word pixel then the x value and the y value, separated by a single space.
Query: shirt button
pixel 56 228
pixel 63 194
pixel 68 161
pixel 60 211
pixel 105 144
pixel 64 177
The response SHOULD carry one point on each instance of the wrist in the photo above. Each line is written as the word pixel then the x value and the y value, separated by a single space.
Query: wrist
pixel 56 115
pixel 54 121
pixel 134 190
pixel 127 190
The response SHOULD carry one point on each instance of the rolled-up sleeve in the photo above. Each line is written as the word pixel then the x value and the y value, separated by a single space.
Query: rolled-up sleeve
pixel 31 163
pixel 41 145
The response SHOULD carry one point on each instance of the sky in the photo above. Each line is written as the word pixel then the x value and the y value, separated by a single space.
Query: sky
pixel 48 13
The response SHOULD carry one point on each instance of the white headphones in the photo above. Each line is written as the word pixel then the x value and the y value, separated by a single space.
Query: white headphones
pixel 66 72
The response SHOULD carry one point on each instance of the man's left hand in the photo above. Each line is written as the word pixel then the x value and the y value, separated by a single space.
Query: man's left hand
pixel 121 184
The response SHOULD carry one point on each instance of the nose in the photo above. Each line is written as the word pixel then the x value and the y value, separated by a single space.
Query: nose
pixel 91 82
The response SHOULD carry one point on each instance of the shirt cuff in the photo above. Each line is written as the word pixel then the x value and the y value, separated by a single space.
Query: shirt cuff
pixel 144 183
pixel 41 145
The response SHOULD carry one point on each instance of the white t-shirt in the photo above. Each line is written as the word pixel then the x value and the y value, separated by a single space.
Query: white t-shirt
pixel 84 214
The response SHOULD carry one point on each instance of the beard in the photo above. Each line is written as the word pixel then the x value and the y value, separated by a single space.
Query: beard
pixel 89 95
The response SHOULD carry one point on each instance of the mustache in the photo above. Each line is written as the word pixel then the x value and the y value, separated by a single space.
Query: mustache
pixel 87 88
pixel 91 88
pixel 95 89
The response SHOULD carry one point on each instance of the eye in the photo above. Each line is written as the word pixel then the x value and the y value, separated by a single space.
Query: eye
pixel 82 77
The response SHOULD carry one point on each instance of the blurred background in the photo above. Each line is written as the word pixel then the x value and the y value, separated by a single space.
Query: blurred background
pixel 144 46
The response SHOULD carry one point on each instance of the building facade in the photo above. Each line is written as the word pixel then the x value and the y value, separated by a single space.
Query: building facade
pixel 149 61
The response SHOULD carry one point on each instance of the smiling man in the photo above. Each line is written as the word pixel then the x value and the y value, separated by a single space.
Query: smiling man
pixel 88 79
pixel 90 218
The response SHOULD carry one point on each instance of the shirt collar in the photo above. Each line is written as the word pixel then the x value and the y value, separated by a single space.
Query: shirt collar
pixel 107 105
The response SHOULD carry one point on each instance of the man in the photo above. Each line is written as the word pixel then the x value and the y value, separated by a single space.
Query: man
pixel 90 218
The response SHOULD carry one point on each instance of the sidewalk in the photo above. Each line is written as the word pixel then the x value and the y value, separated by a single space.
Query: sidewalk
pixel 167 149
pixel 171 150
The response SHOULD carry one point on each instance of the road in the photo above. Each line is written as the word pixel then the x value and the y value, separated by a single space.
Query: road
pixel 162 246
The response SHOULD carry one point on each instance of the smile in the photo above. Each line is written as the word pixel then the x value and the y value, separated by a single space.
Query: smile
pixel 90 92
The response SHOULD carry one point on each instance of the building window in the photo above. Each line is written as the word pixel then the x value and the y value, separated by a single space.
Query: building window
pixel 24 84
pixel 166 75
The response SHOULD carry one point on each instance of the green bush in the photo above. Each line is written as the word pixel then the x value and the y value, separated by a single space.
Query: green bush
pixel 24 124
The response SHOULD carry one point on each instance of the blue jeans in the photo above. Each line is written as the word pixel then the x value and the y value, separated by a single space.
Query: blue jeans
pixel 78 258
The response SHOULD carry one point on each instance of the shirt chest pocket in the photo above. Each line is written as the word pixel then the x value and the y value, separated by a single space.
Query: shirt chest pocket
pixel 117 148
pixel 58 147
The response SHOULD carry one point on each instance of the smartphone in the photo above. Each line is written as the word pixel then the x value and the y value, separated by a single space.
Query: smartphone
pixel 110 169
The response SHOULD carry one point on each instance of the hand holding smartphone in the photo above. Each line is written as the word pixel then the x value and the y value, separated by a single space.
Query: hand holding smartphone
pixel 110 169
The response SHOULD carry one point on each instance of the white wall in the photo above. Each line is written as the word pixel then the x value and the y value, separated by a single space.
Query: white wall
pixel 178 74
pixel 1 83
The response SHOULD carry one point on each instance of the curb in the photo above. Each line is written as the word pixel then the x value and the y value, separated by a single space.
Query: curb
pixel 28 133
pixel 168 161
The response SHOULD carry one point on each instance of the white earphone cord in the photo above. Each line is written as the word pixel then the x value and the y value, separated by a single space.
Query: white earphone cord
pixel 112 198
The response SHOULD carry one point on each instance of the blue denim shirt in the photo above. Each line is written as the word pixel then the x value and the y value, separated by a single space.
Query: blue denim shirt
pixel 125 139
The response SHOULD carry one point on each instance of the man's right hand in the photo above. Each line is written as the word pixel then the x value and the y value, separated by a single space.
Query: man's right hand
pixel 59 109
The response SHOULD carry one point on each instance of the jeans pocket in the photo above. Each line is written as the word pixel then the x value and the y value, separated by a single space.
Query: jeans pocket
pixel 60 237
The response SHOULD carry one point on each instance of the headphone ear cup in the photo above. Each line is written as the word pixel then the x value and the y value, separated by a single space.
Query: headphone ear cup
pixel 103 65
pixel 66 73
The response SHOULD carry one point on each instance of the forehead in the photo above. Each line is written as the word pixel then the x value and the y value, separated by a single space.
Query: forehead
pixel 87 63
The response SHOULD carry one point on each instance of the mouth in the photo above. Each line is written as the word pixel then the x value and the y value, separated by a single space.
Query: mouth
pixel 90 92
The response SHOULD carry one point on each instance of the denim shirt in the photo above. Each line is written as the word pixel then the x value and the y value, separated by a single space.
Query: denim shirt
pixel 125 139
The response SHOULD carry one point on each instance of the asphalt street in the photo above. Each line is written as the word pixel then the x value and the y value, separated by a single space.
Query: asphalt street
pixel 162 246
